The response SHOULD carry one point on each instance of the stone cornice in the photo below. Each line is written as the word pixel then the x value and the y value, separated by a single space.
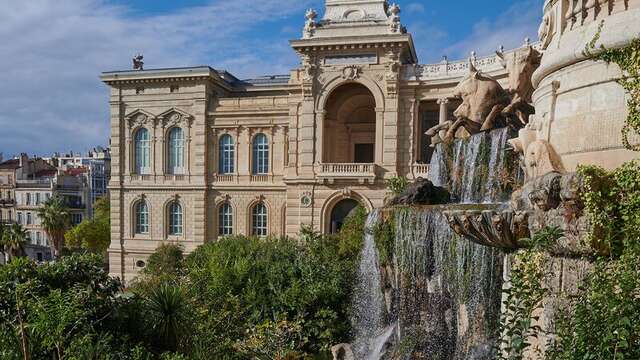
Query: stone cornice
pixel 356 42
pixel 201 73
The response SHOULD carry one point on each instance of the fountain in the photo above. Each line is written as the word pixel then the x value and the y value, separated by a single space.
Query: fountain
pixel 371 330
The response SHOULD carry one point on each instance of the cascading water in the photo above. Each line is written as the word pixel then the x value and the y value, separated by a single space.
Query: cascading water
pixel 476 170
pixel 369 323
pixel 450 291
pixel 449 295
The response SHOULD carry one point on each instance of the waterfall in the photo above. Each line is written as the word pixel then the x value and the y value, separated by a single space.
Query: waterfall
pixel 370 329
pixel 476 170
pixel 450 291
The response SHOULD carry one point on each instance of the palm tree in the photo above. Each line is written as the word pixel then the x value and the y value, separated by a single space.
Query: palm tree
pixel 56 220
pixel 13 240
pixel 167 308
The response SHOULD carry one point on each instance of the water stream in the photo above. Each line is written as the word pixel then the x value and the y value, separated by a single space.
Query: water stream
pixel 369 320
pixel 448 291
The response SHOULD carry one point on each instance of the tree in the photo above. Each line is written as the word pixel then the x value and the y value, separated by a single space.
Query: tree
pixel 93 234
pixel 14 238
pixel 167 309
pixel 56 220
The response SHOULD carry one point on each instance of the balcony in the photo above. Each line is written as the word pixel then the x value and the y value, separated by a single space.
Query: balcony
pixel 225 178
pixel 7 202
pixel 421 170
pixel 363 173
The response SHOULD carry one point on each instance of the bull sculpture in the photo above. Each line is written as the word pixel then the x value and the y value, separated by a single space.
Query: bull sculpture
pixel 520 66
pixel 486 105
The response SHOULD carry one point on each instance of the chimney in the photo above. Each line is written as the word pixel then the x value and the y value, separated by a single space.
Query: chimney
pixel 24 159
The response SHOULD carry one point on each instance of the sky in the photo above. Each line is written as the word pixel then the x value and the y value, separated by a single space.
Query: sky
pixel 53 51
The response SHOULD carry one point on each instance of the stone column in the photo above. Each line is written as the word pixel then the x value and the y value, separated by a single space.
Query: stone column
pixel 444 109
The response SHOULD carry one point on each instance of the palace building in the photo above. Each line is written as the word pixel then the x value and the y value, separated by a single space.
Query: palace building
pixel 198 153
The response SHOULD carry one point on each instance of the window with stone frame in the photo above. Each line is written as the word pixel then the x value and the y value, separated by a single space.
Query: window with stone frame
pixel 260 218
pixel 225 219
pixel 141 216
pixel 260 155
pixel 142 151
pixel 175 152
pixel 175 218
pixel 227 155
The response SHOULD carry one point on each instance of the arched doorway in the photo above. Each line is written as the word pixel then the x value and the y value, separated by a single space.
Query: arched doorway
pixel 349 133
pixel 340 212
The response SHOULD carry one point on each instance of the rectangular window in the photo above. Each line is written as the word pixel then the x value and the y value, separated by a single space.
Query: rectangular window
pixel 28 201
pixel 37 198
pixel 20 218
pixel 29 219
pixel 76 219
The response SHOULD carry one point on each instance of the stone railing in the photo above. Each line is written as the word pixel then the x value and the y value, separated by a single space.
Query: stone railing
pixel 459 68
pixel 421 170
pixel 224 178
pixel 348 171
pixel 140 177
pixel 259 178
pixel 175 177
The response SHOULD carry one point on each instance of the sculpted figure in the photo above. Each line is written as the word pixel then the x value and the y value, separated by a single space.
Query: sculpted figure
pixel 520 65
pixel 483 100
pixel 138 64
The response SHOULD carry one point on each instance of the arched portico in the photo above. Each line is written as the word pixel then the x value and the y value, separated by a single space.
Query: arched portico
pixel 338 206
pixel 350 122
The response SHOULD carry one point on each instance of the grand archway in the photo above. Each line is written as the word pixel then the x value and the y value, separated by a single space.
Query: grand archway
pixel 339 214
pixel 349 133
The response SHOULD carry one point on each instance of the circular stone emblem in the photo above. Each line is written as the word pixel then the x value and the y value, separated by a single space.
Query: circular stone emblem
pixel 305 200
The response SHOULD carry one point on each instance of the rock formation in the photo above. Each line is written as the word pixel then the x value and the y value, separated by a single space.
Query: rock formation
pixel 422 192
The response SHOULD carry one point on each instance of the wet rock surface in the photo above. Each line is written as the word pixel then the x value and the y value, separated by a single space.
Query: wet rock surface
pixel 422 192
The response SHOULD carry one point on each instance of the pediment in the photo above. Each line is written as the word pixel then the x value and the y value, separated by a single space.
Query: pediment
pixel 139 117
pixel 175 116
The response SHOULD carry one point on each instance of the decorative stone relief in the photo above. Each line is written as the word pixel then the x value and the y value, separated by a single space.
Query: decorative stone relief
pixel 489 227
pixel 351 72
pixel 139 118
pixel 546 30
pixel 306 200
pixel 392 73
pixel 539 157
pixel 310 24
pixel 394 19
pixel 175 117
pixel 138 64
pixel 520 66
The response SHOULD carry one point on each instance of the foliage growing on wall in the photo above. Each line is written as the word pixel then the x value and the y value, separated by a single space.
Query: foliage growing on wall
pixel 603 320
pixel 396 185
pixel 524 296
pixel 628 59
pixel 612 202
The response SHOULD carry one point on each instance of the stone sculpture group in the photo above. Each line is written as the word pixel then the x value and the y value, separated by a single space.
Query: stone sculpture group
pixel 486 105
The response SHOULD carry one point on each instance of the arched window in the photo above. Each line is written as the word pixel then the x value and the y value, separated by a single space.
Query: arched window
pixel 259 220
pixel 175 218
pixel 225 219
pixel 142 152
pixel 227 155
pixel 176 151
pixel 260 155
pixel 142 217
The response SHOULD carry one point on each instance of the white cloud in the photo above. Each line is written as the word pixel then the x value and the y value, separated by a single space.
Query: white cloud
pixel 415 8
pixel 54 51
pixel 509 29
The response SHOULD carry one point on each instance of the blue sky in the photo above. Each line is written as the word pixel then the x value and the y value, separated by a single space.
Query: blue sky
pixel 53 101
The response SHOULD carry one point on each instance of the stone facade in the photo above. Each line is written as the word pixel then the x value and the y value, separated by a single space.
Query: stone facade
pixel 353 115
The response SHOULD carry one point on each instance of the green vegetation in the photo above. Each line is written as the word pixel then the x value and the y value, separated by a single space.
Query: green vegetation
pixel 397 185
pixel 612 202
pixel 56 220
pixel 524 295
pixel 237 298
pixel 628 59
pixel 603 320
pixel 13 238
pixel 92 234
